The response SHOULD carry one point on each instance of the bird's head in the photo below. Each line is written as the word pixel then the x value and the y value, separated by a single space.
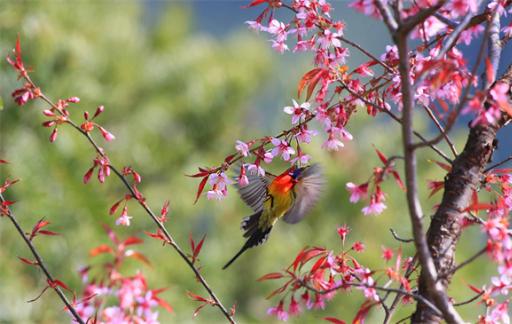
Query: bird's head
pixel 295 173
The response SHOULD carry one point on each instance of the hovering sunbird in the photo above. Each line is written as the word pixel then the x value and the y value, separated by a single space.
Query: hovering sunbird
pixel 289 196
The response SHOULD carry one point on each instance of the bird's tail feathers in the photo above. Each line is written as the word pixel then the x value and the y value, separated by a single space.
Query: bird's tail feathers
pixel 250 224
pixel 256 235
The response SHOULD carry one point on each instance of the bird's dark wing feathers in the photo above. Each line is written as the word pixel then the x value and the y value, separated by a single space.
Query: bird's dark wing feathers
pixel 255 192
pixel 307 192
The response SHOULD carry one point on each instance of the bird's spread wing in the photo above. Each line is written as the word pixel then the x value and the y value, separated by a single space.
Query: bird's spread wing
pixel 307 191
pixel 255 192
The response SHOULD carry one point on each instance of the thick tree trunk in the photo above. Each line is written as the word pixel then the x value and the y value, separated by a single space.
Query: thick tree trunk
pixel 445 227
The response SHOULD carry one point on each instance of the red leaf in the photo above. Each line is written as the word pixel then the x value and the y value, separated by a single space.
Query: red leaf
pixel 198 248
pixel 306 255
pixel 334 320
pixel 443 166
pixel 164 211
pixel 271 276
pixel 3 161
pixel 507 170
pixel 201 188
pixel 318 264
pixel 363 312
pixel 138 256
pixel 475 289
pixel 197 297
pixel 114 207
pixel 202 172
pixel 100 249
pixel 478 207
pixel 489 71
pixel 45 232
pixel 165 305
pixel 307 79
pixel 255 3
pixel 382 157
pixel 435 186
pixel 132 240
pixel 28 261
pixel 398 180
pixel 57 283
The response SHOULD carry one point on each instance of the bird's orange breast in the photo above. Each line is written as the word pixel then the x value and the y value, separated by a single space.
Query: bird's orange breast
pixel 282 184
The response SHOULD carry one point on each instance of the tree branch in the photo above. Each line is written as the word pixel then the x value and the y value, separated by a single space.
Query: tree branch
pixel 434 289
pixel 41 264
pixel 146 208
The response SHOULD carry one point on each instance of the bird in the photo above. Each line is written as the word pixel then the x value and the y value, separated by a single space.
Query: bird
pixel 289 196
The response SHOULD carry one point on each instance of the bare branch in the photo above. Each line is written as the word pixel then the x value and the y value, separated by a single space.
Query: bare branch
pixel 41 264
pixel 388 18
pixel 143 204
pixel 411 22
pixel 398 238
pixel 469 301
pixel 435 289
pixel 404 292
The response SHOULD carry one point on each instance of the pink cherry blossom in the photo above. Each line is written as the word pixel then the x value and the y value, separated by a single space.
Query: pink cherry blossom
pixel 357 192
pixel 255 169
pixel 297 111
pixel 279 312
pixel 282 148
pixel 242 148
pixel 329 38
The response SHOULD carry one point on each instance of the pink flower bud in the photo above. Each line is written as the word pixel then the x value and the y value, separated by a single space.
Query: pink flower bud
pixel 49 123
pixel 88 175
pixel 86 115
pixel 73 100
pixel 99 110
pixel 137 177
pixel 106 134
pixel 48 113
pixel 53 135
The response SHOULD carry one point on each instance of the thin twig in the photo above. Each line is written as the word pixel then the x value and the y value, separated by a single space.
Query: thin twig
pixel 385 289
pixel 498 164
pixel 387 17
pixel 415 212
pixel 41 264
pixel 143 204
pixel 398 120
pixel 398 238
pixel 441 130
pixel 469 260
pixel 469 301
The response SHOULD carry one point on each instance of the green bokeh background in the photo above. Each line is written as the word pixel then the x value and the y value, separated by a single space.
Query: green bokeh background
pixel 176 98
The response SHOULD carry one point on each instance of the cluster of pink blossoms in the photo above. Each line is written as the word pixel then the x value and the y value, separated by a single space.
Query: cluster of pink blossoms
pixel 317 275
pixel 115 298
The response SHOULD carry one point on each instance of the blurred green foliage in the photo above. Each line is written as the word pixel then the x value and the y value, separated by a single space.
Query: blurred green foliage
pixel 176 99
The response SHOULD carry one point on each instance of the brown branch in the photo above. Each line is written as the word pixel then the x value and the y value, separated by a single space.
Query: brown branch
pixel 387 17
pixel 398 120
pixel 417 297
pixel 469 260
pixel 146 208
pixel 434 289
pixel 41 264
pixel 446 225
pixel 398 238
pixel 442 131
pixel 498 164
pixel 411 22
pixel 469 301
